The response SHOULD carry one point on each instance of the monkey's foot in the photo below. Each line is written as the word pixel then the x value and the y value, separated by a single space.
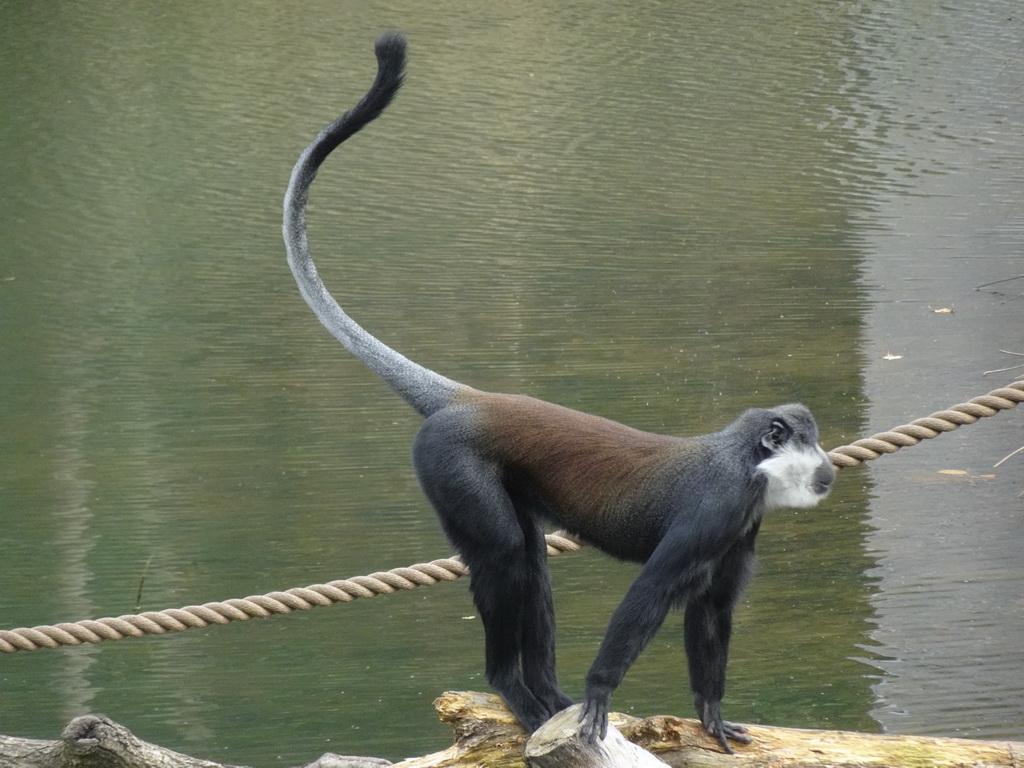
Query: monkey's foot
pixel 722 730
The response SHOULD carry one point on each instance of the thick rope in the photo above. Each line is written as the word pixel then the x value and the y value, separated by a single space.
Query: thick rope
pixel 447 569
pixel 253 607
pixel 872 447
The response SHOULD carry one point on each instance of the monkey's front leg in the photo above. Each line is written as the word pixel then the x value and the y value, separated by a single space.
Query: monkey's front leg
pixel 633 624
pixel 707 630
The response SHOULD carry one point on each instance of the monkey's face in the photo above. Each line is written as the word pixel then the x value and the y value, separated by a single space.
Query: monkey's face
pixel 799 474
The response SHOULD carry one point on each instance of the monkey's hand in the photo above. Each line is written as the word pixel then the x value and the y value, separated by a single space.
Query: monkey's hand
pixel 710 713
pixel 594 719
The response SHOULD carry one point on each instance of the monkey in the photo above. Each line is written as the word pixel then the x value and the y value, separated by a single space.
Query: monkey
pixel 496 467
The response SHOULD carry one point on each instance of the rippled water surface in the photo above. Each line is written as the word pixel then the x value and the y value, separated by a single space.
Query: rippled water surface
pixel 659 212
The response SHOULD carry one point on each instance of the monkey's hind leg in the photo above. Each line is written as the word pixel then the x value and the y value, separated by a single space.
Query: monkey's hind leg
pixel 479 519
pixel 538 628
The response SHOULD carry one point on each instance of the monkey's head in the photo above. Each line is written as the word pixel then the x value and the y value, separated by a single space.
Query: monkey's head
pixel 798 472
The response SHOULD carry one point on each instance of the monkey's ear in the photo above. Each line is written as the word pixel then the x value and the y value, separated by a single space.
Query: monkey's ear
pixel 777 436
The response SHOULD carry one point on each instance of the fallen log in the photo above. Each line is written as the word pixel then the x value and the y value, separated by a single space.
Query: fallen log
pixel 487 735
pixel 94 741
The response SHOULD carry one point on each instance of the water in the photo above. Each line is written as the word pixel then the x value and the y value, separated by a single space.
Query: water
pixel 948 219
pixel 661 213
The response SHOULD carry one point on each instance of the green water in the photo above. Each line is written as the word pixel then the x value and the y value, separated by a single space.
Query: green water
pixel 659 212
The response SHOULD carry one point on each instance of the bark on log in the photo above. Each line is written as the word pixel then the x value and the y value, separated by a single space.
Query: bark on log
pixel 94 741
pixel 487 735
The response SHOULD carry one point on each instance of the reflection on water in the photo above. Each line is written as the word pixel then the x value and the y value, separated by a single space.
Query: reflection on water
pixel 659 213
pixel 949 609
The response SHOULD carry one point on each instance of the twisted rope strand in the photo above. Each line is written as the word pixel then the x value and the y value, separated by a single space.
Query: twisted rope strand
pixel 446 569
pixel 870 448
pixel 255 606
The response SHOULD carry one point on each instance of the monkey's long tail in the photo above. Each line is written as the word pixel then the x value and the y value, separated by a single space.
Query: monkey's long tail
pixel 423 389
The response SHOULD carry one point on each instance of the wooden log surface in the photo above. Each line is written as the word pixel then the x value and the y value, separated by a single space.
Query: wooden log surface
pixel 94 741
pixel 557 744
pixel 487 735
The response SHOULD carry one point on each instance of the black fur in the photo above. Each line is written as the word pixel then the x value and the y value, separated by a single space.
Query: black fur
pixel 494 466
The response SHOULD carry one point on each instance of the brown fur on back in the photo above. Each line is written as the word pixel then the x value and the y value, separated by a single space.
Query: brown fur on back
pixel 578 464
